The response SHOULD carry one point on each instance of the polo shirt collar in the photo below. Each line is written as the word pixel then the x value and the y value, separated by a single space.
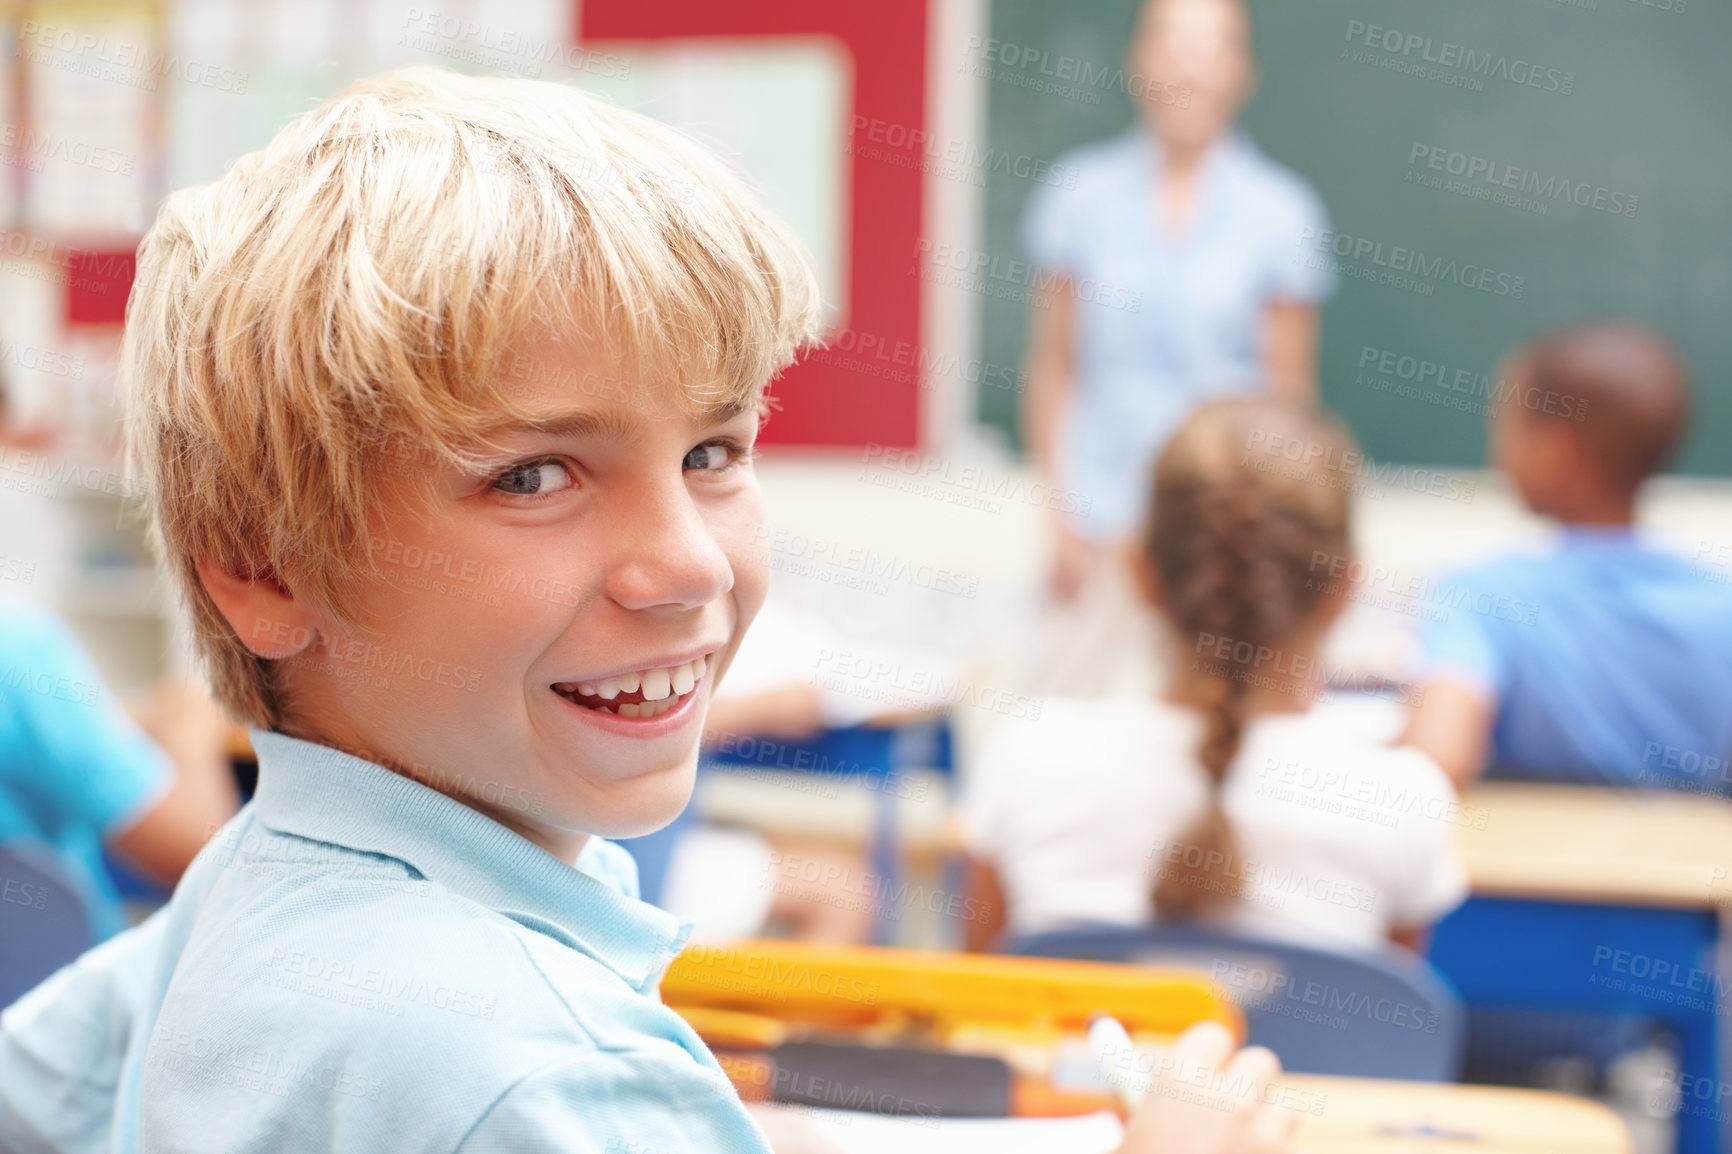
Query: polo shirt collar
pixel 326 795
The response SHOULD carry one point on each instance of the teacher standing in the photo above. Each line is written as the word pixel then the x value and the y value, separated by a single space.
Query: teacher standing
pixel 1181 278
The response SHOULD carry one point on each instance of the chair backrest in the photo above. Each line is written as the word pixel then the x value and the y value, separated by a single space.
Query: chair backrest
pixel 1384 1014
pixel 44 921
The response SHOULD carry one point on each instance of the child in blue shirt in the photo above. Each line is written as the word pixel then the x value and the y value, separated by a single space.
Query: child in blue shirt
pixel 446 403
pixel 77 775
pixel 1600 659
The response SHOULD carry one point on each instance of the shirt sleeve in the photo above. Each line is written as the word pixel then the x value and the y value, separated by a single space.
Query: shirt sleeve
pixel 989 796
pixel 1461 647
pixel 1297 270
pixel 1049 232
pixel 618 1103
pixel 63 1045
pixel 85 760
pixel 1433 879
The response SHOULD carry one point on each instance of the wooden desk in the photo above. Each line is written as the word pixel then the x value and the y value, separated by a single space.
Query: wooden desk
pixel 1359 1116
pixel 1605 901
pixel 1370 1116
pixel 1605 846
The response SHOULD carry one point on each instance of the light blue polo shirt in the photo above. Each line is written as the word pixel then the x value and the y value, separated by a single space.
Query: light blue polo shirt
pixel 358 963
pixel 74 769
pixel 1200 300
pixel 1610 661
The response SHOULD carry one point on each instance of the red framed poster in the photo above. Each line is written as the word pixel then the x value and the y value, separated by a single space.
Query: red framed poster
pixel 825 400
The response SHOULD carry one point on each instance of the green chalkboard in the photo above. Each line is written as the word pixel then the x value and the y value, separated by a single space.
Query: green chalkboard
pixel 1584 148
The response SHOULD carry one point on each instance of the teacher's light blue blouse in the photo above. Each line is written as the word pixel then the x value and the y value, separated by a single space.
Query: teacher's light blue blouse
pixel 1166 320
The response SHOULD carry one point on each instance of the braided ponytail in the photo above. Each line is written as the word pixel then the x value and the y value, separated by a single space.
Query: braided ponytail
pixel 1231 539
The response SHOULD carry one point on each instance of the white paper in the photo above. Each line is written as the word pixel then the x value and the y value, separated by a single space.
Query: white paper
pixel 860 1132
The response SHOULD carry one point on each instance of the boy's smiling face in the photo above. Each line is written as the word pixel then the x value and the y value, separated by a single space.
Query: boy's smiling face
pixel 545 636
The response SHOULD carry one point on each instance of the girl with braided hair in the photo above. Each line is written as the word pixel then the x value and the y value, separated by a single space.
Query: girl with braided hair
pixel 1230 799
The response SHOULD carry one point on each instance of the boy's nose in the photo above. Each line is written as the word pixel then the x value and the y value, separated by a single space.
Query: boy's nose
pixel 669 557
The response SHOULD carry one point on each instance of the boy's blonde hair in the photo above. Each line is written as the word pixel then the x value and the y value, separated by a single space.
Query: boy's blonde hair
pixel 351 290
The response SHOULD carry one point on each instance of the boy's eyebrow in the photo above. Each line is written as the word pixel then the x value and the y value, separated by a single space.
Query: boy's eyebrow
pixel 721 412
pixel 609 423
pixel 612 423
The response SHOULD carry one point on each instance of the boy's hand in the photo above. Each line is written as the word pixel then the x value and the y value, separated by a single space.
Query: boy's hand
pixel 1209 1100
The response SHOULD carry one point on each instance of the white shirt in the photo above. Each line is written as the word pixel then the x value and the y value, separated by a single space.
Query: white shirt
pixel 1339 839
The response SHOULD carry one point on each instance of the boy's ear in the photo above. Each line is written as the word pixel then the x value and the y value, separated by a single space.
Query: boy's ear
pixel 263 613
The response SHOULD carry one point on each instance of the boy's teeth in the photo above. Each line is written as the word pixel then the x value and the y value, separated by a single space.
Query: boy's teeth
pixel 661 688
pixel 656 684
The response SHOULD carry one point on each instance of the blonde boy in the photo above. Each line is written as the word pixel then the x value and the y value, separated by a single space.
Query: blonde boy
pixel 446 402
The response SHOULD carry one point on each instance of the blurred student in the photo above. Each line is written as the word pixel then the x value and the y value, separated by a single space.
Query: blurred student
pixel 1229 800
pixel 1600 658
pixel 1179 249
pixel 77 773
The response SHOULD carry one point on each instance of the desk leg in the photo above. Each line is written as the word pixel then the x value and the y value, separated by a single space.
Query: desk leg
pixel 1516 954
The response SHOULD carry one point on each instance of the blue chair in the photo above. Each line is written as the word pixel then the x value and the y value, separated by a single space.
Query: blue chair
pixel 44 922
pixel 1381 1014
pixel 874 756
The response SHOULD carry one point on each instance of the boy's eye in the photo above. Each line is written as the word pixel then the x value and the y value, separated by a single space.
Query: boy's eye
pixel 533 478
pixel 710 457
